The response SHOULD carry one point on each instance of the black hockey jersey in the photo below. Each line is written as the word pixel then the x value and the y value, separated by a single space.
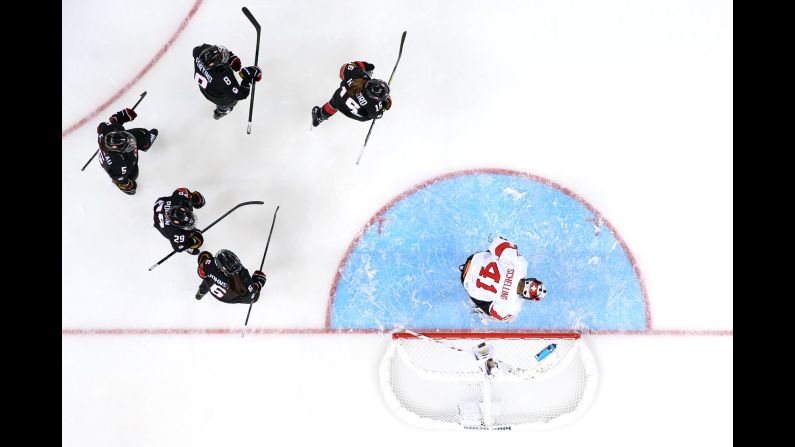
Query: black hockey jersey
pixel 219 284
pixel 181 239
pixel 357 106
pixel 219 84
pixel 121 166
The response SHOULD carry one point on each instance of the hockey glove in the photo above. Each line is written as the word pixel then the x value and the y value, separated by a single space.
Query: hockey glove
pixel 251 73
pixel 197 239
pixel 259 278
pixel 387 103
pixel 129 187
pixel 123 116
pixel 367 67
pixel 197 199
pixel 235 63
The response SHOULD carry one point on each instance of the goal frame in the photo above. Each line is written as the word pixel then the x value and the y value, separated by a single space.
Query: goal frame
pixel 392 353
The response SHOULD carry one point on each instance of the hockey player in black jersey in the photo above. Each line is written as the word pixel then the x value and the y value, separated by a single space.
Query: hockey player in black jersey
pixel 118 149
pixel 214 71
pixel 174 219
pixel 227 280
pixel 359 97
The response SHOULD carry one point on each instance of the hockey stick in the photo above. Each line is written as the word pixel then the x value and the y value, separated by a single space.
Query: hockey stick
pixel 519 372
pixel 400 53
pixel 256 60
pixel 95 153
pixel 254 202
pixel 267 244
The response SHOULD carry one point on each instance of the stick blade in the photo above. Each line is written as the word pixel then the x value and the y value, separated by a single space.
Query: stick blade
pixel 251 18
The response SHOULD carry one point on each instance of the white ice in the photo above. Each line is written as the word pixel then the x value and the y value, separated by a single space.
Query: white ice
pixel 628 104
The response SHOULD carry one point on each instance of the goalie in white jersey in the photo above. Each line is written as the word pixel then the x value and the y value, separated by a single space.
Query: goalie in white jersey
pixel 496 281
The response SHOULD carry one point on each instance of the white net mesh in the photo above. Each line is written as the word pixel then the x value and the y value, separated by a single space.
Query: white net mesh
pixel 438 384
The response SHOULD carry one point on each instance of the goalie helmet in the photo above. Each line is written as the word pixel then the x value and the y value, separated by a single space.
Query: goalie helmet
pixel 214 55
pixel 120 141
pixel 377 89
pixel 228 262
pixel 182 217
pixel 533 289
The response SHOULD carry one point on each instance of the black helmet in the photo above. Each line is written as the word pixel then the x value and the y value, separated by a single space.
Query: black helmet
pixel 120 141
pixel 182 217
pixel 228 262
pixel 377 89
pixel 214 55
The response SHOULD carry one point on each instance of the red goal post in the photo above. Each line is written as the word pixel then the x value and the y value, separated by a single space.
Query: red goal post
pixel 433 379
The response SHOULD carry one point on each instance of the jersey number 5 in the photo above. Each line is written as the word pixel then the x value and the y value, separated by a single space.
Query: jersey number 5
pixel 491 272
pixel 217 290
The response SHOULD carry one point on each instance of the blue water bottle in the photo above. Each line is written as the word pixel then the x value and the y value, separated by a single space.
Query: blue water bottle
pixel 546 351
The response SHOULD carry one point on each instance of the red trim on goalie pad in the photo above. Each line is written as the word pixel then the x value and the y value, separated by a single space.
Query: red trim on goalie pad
pixel 494 313
pixel 571 335
pixel 500 248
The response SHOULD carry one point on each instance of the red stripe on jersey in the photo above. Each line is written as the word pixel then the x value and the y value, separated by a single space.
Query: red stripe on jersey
pixel 330 110
pixel 500 248
pixel 494 313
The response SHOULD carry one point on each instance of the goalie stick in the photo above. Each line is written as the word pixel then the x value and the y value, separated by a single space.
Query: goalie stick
pixel 400 53
pixel 95 153
pixel 267 244
pixel 256 60
pixel 254 202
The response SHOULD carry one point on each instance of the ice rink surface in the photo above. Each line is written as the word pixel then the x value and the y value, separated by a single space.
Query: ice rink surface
pixel 626 104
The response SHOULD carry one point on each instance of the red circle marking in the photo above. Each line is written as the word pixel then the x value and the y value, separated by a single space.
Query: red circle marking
pixel 378 216
pixel 138 76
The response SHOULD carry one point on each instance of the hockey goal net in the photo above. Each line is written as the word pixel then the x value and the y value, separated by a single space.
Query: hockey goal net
pixel 433 380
